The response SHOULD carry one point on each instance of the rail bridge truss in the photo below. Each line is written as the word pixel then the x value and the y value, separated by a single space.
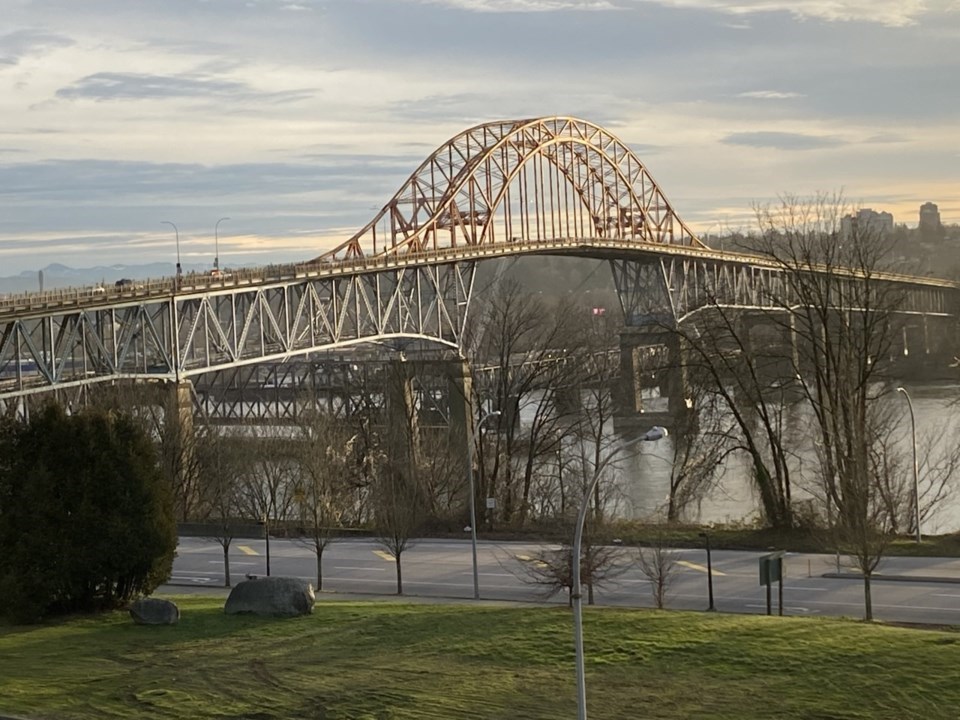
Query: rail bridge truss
pixel 559 186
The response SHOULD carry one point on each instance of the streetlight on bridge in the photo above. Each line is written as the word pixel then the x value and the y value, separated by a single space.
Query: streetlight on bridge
pixel 652 435
pixel 177 231
pixel 216 243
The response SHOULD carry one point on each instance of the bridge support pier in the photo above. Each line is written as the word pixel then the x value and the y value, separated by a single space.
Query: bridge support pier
pixel 651 359
pixel 403 435
pixel 460 408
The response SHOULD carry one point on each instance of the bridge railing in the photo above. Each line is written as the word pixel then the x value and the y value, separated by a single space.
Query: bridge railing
pixel 194 283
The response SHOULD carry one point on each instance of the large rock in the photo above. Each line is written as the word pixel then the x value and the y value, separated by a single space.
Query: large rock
pixel 274 596
pixel 153 611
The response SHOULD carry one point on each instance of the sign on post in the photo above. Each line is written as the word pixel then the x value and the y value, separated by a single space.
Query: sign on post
pixel 771 568
pixel 771 571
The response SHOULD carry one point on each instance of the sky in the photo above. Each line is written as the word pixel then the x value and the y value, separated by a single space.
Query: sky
pixel 299 119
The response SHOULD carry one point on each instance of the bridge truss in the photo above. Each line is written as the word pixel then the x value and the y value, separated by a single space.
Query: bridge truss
pixel 538 186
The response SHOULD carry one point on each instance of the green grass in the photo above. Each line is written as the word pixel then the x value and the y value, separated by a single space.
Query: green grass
pixel 387 661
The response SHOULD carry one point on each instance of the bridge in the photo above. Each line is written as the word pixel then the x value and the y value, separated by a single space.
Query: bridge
pixel 557 186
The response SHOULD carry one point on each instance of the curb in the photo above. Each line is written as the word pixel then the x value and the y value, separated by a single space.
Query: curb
pixel 893 578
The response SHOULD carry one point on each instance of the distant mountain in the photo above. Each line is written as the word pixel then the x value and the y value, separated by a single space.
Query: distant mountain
pixel 56 276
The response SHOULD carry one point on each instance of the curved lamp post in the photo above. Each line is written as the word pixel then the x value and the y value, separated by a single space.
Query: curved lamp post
pixel 179 271
pixel 916 467
pixel 216 243
pixel 473 502
pixel 653 434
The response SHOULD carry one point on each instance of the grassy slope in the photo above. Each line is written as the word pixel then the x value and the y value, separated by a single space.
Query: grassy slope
pixel 386 660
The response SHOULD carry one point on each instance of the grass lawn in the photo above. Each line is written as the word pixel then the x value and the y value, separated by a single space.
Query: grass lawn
pixel 386 660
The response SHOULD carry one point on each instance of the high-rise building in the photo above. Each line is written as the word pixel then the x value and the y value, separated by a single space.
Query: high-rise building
pixel 867 221
pixel 930 217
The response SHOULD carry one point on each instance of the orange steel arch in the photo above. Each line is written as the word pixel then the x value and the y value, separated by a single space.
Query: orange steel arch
pixel 522 181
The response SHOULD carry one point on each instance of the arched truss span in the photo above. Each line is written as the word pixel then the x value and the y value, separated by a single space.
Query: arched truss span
pixel 522 181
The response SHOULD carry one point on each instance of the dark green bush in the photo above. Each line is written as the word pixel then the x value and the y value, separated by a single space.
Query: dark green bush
pixel 86 520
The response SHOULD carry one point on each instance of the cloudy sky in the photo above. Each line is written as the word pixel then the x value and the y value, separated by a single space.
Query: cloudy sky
pixel 298 119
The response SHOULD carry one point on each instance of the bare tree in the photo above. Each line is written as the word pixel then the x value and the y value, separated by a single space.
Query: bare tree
pixel 552 569
pixel 524 348
pixel 397 494
pixel 397 515
pixel 659 567
pixel 221 471
pixel 718 347
pixel 267 489
pixel 595 372
pixel 843 314
pixel 324 456
pixel 700 441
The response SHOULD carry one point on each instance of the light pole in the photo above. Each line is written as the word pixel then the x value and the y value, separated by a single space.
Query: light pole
pixel 706 538
pixel 473 501
pixel 179 272
pixel 916 467
pixel 655 433
pixel 216 243
pixel 265 521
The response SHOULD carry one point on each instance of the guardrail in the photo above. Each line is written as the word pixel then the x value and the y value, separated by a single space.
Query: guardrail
pixel 194 283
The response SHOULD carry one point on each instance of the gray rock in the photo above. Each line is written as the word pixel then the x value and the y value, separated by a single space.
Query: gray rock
pixel 154 611
pixel 274 596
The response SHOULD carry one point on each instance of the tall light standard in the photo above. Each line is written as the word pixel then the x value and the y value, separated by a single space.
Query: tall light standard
pixel 473 501
pixel 653 434
pixel 916 467
pixel 179 271
pixel 216 243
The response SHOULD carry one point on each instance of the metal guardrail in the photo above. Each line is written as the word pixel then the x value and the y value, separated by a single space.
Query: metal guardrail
pixel 200 283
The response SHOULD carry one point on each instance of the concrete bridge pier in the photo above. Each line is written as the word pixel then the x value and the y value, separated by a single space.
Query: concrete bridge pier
pixel 460 408
pixel 568 400
pixel 650 360
pixel 402 426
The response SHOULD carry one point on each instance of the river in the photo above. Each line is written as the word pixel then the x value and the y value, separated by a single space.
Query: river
pixel 644 477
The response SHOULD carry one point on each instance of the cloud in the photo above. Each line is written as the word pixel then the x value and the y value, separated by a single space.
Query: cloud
pixel 23 43
pixel 782 140
pixel 136 86
pixel 524 6
pixel 894 13
pixel 885 138
pixel 769 95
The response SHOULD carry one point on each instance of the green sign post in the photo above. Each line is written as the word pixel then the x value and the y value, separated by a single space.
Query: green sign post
pixel 771 571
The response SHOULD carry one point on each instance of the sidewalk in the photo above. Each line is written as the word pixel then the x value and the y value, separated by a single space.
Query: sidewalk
pixel 895 569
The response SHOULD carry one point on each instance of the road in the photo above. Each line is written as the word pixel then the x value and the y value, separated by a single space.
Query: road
pixel 442 569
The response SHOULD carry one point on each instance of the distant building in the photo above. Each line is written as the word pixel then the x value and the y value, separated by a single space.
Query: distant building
pixel 867 221
pixel 930 219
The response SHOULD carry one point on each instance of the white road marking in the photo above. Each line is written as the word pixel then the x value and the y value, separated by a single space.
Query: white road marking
pixel 348 567
pixel 791 588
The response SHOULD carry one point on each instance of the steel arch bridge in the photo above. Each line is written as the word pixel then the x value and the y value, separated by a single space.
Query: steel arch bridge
pixel 539 186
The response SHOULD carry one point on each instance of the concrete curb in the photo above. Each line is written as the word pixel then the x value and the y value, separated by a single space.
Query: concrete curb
pixel 892 578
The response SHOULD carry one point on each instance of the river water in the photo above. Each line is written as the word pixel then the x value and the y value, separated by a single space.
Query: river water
pixel 644 477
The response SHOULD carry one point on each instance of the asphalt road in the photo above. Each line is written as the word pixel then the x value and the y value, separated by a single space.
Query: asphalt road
pixel 442 569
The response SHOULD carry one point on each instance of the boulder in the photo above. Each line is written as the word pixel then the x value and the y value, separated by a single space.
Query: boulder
pixel 154 611
pixel 273 596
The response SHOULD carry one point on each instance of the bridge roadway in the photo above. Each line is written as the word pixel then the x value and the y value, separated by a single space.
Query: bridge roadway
pixel 441 570
pixel 172 330
pixel 42 303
